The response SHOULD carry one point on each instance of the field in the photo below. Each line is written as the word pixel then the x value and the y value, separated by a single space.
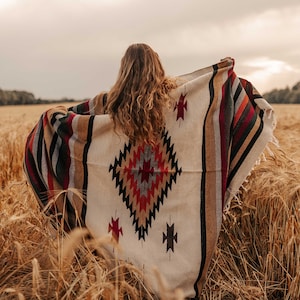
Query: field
pixel 258 253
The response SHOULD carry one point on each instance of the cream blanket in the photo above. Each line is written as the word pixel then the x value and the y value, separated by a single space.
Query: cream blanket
pixel 163 205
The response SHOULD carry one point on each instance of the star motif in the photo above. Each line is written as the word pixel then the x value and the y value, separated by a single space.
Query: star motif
pixel 146 170
pixel 181 106
pixel 170 237
pixel 115 229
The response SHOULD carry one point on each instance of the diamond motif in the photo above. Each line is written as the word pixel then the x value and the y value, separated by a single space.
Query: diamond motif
pixel 143 175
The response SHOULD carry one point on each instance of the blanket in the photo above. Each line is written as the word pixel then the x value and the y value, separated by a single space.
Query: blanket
pixel 162 204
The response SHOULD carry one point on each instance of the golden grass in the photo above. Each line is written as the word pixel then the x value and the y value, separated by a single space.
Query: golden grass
pixel 258 253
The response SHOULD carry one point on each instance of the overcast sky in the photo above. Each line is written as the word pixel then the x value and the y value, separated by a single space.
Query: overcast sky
pixel 72 48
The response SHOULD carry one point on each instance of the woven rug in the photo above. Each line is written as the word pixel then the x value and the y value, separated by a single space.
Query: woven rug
pixel 162 204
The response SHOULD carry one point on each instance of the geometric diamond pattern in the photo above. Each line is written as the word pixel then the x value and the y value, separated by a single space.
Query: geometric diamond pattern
pixel 143 175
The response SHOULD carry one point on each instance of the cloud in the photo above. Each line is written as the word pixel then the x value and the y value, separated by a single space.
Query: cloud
pixel 266 72
pixel 73 48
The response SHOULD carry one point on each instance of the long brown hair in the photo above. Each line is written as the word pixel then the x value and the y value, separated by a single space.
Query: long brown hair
pixel 137 100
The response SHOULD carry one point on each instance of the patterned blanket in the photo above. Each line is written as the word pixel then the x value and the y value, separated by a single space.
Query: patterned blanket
pixel 162 204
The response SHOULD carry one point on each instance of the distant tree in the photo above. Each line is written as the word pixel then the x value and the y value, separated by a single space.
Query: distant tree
pixel 295 96
pixel 286 95
pixel 296 87
pixel 22 97
pixel 16 97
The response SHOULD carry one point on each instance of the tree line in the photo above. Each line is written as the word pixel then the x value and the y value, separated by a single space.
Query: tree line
pixel 22 97
pixel 286 95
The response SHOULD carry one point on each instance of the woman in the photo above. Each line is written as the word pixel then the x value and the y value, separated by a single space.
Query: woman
pixel 136 104
pixel 161 195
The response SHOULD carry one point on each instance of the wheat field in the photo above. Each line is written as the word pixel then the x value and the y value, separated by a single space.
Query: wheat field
pixel 257 257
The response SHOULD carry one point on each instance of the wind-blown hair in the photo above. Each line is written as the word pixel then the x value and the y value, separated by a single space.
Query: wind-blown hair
pixel 138 99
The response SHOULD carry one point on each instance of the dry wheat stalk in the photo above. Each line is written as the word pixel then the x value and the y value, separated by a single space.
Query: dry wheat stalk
pixel 258 254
